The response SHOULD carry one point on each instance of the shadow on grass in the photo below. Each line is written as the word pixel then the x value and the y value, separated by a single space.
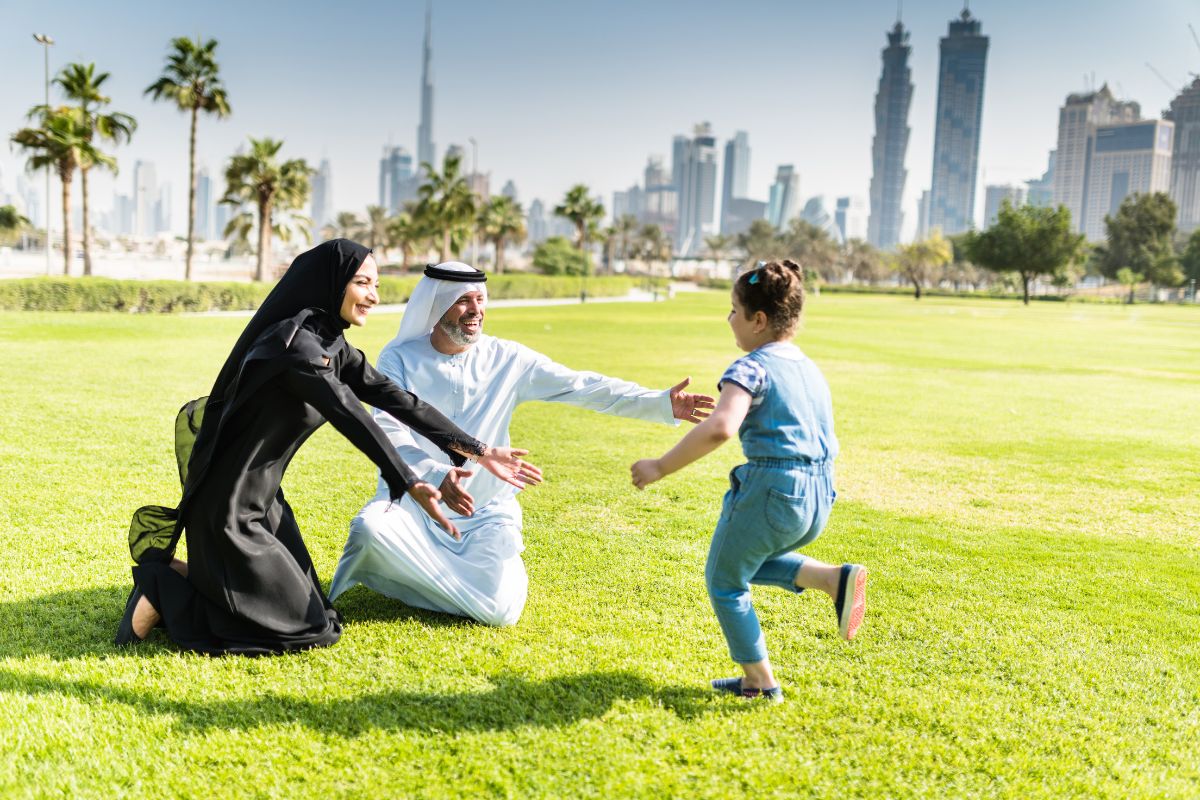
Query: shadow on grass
pixel 512 702
pixel 363 605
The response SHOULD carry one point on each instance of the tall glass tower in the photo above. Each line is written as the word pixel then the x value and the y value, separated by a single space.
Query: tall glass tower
pixel 425 150
pixel 891 141
pixel 956 136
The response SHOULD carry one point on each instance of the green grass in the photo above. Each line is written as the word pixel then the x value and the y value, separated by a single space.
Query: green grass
pixel 1022 483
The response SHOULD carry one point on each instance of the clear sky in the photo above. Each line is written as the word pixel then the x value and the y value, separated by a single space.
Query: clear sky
pixel 562 92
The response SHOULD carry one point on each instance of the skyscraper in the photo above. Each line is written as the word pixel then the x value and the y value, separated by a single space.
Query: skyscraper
pixel 696 183
pixel 784 202
pixel 1041 190
pixel 890 145
pixel 397 182
pixel 1077 123
pixel 162 210
pixel 509 190
pixel 737 210
pixel 425 149
pixel 851 218
pixel 1185 161
pixel 535 222
pixel 956 135
pixel 660 199
pixel 145 199
pixel 994 197
pixel 322 196
pixel 1125 158
pixel 204 205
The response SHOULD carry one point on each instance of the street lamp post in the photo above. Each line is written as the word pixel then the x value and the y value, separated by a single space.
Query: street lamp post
pixel 46 41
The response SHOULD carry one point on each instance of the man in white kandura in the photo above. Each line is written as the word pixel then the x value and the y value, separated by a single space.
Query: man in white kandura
pixel 442 355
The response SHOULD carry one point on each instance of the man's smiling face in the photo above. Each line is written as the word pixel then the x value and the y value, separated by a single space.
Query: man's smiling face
pixel 463 321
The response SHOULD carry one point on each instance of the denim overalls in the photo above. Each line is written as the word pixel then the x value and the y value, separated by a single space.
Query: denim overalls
pixel 781 498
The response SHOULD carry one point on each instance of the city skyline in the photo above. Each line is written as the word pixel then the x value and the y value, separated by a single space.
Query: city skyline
pixel 533 131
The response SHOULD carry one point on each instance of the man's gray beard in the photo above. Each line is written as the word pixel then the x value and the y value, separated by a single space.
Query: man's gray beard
pixel 457 335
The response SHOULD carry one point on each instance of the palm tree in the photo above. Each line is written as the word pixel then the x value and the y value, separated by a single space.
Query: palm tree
pixel 653 246
pixel 82 84
pixel 276 190
pixel 583 212
pixel 11 222
pixel 447 204
pixel 813 247
pixel 61 142
pixel 376 228
pixel 760 242
pixel 502 221
pixel 346 225
pixel 625 229
pixel 404 231
pixel 718 245
pixel 191 80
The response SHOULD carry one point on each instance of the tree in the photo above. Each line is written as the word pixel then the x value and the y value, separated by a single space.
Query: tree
pixel 760 242
pixel 447 205
pixel 403 232
pixel 192 81
pixel 82 84
pixel 625 229
pixel 11 223
pixel 1031 241
pixel 653 246
pixel 718 245
pixel 502 221
pixel 61 141
pixel 1140 238
pixel 376 228
pixel 813 248
pixel 275 190
pixel 346 225
pixel 1129 279
pixel 1189 260
pixel 583 212
pixel 917 261
pixel 557 256
pixel 863 261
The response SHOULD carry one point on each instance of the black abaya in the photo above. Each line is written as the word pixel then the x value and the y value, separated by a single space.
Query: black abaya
pixel 251 585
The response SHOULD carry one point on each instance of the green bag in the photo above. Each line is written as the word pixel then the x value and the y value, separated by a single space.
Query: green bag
pixel 153 532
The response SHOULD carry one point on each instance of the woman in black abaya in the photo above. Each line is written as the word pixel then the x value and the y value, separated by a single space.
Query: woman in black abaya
pixel 249 585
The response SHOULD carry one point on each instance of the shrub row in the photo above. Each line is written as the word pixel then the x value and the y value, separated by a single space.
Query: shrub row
pixel 106 294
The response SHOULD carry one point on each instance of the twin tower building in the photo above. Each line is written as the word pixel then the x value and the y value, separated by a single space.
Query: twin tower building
pixel 1105 150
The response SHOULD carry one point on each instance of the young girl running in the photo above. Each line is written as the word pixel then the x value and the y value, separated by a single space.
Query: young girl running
pixel 778 402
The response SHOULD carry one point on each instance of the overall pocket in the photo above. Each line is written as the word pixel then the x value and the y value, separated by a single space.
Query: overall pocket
pixel 786 513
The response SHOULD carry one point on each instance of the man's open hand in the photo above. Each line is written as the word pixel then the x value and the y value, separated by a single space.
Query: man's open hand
pixel 689 407
pixel 454 495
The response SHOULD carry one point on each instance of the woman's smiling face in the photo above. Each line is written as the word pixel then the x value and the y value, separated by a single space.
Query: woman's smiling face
pixel 361 293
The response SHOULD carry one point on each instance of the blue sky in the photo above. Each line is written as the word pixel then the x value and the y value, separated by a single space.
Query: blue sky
pixel 563 92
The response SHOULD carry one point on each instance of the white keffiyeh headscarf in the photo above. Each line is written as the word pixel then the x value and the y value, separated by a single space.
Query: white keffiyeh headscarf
pixel 431 299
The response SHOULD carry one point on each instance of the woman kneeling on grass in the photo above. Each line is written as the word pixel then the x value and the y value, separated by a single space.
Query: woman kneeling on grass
pixel 778 402
pixel 249 585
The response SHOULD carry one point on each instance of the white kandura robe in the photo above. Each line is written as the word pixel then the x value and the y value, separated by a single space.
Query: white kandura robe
pixel 401 552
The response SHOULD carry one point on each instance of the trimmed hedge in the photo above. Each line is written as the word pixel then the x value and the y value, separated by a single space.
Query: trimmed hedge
pixel 106 294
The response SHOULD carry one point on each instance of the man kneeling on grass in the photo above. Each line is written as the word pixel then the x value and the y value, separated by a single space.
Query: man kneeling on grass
pixel 442 355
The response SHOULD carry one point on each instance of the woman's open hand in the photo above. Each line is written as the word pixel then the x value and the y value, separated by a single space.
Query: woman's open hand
pixel 427 498
pixel 507 465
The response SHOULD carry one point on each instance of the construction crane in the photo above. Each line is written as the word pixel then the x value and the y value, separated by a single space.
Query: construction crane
pixel 1163 78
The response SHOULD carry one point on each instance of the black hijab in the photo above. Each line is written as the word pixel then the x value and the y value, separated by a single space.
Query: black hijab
pixel 316 279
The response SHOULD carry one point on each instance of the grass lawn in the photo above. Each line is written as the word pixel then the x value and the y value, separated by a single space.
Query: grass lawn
pixel 1022 482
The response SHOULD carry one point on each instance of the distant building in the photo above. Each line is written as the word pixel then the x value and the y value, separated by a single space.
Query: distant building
pixel 1077 123
pixel 629 202
pixel 1185 160
pixel 696 184
pixel 121 219
pixel 535 223
pixel 994 197
pixel 162 210
pixel 426 153
pixel 456 151
pixel 956 135
pixel 203 229
pixel 923 215
pixel 480 184
pixel 398 181
pixel 1127 158
pixel 1040 191
pixel 816 213
pixel 890 145
pixel 737 210
pixel 851 218
pixel 510 191
pixel 784 202
pixel 322 196
pixel 145 200
pixel 660 199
